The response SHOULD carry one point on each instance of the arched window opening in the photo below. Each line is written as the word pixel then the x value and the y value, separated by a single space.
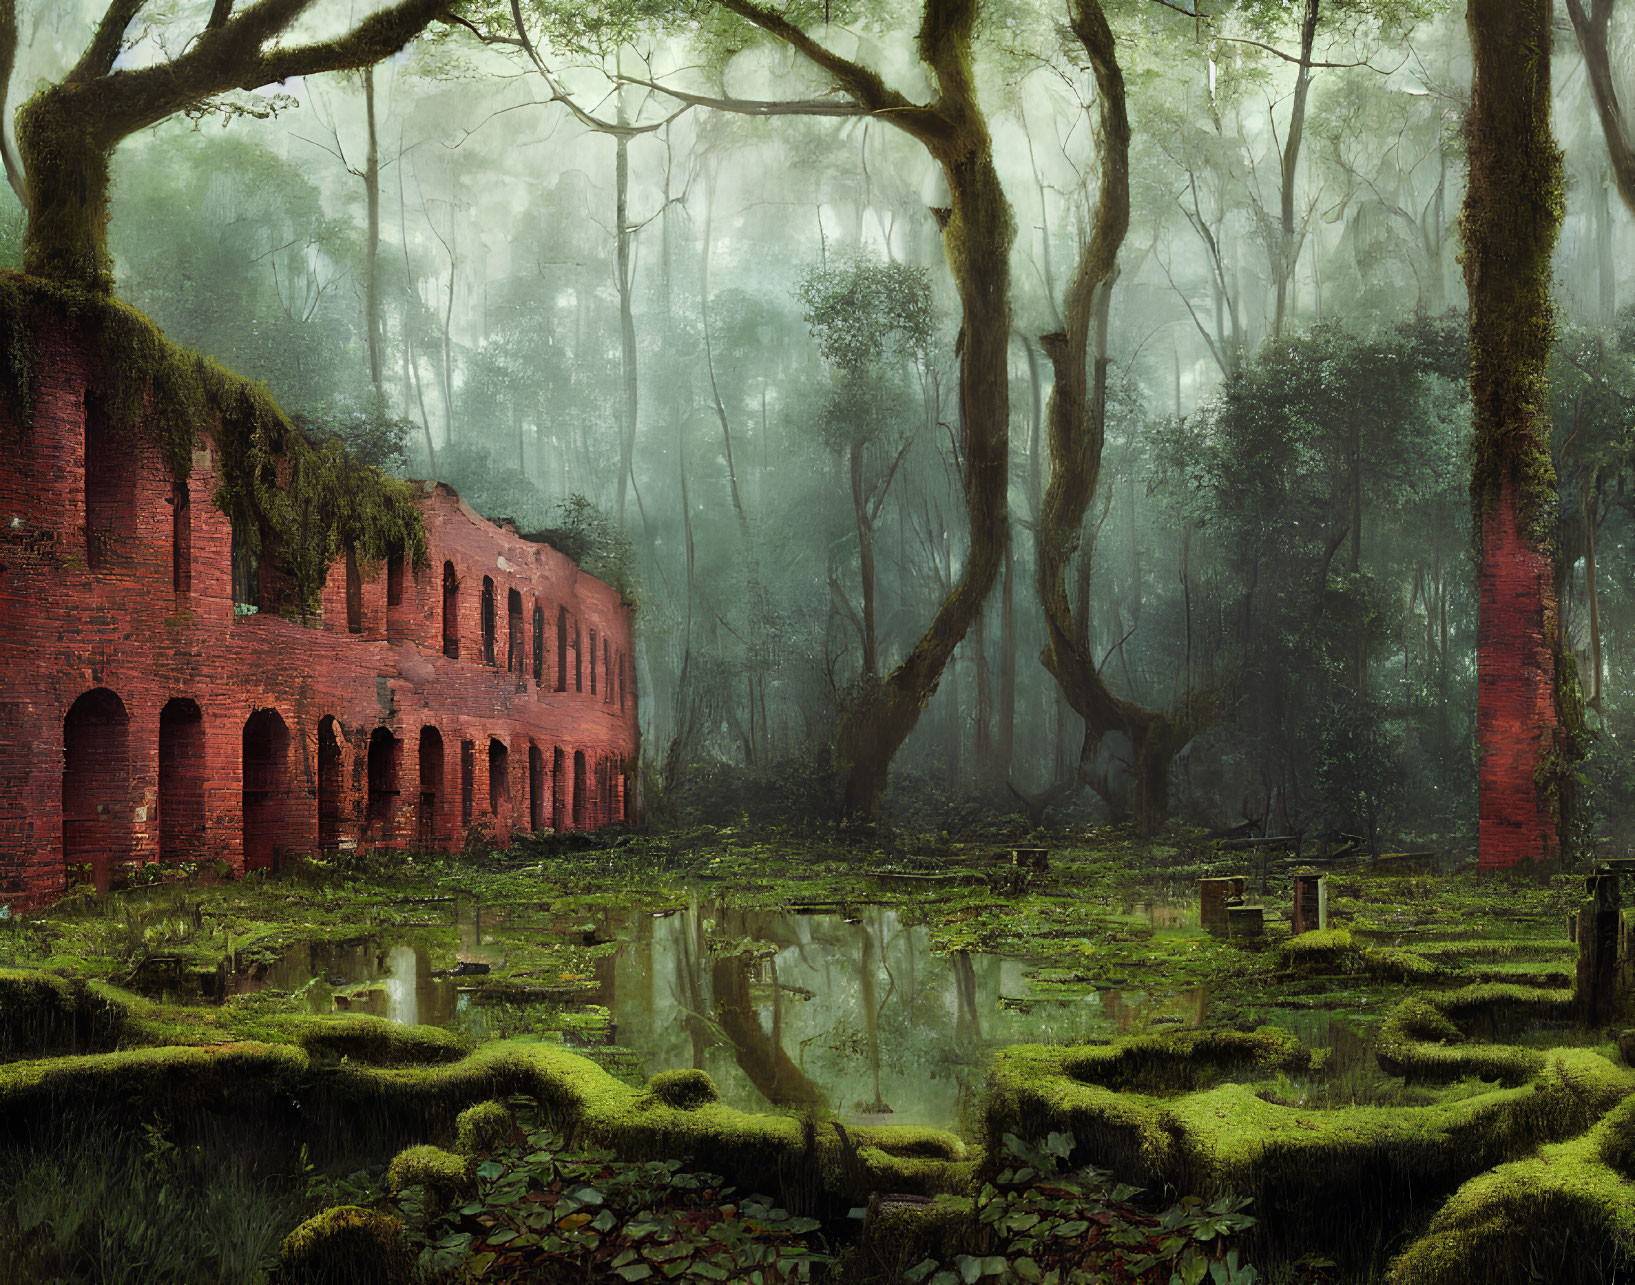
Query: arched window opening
pixel 110 485
pixel 499 775
pixel 561 649
pixel 451 612
pixel 181 538
pixel 266 789
pixel 394 596
pixel 329 784
pixel 607 672
pixel 488 620
pixel 431 786
pixel 468 782
pixel 354 593
pixel 514 646
pixel 539 644
pixel 181 781
pixel 581 799
pixel 536 788
pixel 96 773
pixel 381 812
pixel 578 660
pixel 559 790
pixel 593 662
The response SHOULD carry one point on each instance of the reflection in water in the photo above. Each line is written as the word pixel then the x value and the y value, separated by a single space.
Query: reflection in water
pixel 855 1015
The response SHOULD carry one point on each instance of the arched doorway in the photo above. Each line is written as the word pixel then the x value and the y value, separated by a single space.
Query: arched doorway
pixel 266 788
pixel 431 786
pixel 383 763
pixel 329 784
pixel 96 776
pixel 181 781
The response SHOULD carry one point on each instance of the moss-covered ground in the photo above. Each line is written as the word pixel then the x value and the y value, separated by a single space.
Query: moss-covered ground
pixel 1394 1094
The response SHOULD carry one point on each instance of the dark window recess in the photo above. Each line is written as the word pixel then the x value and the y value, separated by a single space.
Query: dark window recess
pixel 246 567
pixel 451 612
pixel 181 538
pixel 515 649
pixel 607 672
pixel 394 580
pixel 354 594
pixel 561 649
pixel 383 756
pixel 578 660
pixel 499 775
pixel 581 799
pixel 593 662
pixel 431 786
pixel 110 486
pixel 536 788
pixel 468 781
pixel 539 643
pixel 488 620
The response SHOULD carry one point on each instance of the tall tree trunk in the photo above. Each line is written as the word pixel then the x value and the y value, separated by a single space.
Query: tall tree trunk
pixel 1288 246
pixel 1005 732
pixel 627 316
pixel 371 251
pixel 1076 429
pixel 865 555
pixel 1591 30
pixel 1528 721
pixel 1592 521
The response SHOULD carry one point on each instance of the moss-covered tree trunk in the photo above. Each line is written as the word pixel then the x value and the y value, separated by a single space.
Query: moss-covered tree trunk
pixel 1527 701
pixel 1075 431
pixel 67 133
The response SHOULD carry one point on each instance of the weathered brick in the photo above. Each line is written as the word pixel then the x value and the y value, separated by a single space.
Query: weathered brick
pixel 140 721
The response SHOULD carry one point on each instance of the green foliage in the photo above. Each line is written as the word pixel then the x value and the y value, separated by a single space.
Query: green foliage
pixel 1041 1220
pixel 543 1212
pixel 581 530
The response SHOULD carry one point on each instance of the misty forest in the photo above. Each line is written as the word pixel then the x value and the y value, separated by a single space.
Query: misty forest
pixel 855 641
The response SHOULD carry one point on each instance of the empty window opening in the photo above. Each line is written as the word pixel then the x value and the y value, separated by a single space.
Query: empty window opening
pixel 536 788
pixel 381 812
pixel 431 786
pixel 621 682
pixel 354 593
pixel 499 775
pixel 488 620
pixel 559 790
pixel 468 781
pixel 451 612
pixel 578 660
pixel 181 781
pixel 181 538
pixel 246 559
pixel 513 632
pixel 581 800
pixel 394 579
pixel 539 644
pixel 607 671
pixel 593 662
pixel 329 784
pixel 624 797
pixel 96 772
pixel 110 486
pixel 266 789
pixel 561 649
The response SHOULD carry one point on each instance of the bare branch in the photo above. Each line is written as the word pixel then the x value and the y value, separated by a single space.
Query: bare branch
pixel 756 106
pixel 219 13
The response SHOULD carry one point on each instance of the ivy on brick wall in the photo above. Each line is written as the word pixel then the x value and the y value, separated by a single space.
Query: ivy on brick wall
pixel 308 502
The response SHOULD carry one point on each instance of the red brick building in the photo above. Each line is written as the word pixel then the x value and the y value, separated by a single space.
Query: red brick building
pixel 148 713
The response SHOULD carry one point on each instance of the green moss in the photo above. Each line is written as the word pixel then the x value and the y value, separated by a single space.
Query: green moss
pixel 482 1127
pixel 446 1177
pixel 42 1013
pixel 1565 1209
pixel 1329 950
pixel 302 501
pixel 1425 1037
pixel 346 1245
pixel 376 1040
pixel 684 1090
pixel 898 1234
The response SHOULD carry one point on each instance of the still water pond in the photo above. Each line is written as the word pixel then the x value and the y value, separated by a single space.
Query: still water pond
pixel 853 1013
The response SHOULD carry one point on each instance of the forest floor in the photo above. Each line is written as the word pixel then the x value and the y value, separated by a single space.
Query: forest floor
pixel 903 972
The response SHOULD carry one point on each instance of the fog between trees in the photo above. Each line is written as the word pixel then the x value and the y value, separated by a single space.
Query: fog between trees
pixel 756 337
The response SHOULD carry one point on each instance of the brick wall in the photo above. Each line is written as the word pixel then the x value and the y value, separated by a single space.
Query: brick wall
pixel 144 718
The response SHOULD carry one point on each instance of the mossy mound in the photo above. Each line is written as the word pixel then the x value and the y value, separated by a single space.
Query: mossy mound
pixel 1320 953
pixel 900 1233
pixel 482 1128
pixel 42 1014
pixel 446 1177
pixel 1426 1037
pixel 685 1090
pixel 377 1041
pixel 1566 1213
pixel 346 1245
